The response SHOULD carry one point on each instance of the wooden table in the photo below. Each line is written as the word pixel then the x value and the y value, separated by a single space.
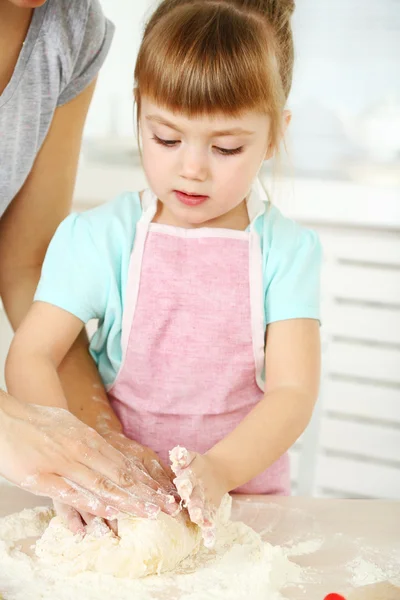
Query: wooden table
pixel 350 542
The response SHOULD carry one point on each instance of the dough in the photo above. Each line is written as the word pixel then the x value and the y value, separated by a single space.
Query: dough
pixel 143 546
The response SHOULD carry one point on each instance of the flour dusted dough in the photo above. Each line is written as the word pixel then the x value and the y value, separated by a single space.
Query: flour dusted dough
pixel 143 546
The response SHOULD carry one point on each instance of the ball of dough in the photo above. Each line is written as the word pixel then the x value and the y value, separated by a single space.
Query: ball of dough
pixel 142 547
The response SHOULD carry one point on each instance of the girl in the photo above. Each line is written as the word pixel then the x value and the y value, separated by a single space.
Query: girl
pixel 207 297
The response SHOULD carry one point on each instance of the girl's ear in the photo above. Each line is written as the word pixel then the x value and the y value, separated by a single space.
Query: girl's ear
pixel 286 118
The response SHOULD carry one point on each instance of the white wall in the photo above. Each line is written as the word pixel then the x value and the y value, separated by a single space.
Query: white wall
pixel 111 110
pixel 346 64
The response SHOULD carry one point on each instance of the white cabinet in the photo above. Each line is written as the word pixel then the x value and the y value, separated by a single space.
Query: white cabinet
pixel 353 448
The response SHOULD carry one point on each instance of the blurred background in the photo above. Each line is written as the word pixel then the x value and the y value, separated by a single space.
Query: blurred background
pixel 340 176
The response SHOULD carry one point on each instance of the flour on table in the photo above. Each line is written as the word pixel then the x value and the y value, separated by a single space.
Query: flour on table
pixel 240 565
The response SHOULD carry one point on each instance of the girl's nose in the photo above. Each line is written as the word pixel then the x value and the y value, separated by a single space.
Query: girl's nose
pixel 194 165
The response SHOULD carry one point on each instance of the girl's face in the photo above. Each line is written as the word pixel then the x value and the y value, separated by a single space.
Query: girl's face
pixel 202 169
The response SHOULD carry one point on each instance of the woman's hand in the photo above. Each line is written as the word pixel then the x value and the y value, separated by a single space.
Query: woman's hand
pixel 49 452
pixel 149 473
pixel 201 485
pixel 151 470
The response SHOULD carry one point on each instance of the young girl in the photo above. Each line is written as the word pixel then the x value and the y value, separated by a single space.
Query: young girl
pixel 207 297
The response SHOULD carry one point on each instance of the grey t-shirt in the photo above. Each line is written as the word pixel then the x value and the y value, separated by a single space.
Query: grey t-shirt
pixel 66 44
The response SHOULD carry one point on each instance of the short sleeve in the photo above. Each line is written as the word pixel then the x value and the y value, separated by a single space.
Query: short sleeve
pixel 292 269
pixel 74 275
pixel 90 48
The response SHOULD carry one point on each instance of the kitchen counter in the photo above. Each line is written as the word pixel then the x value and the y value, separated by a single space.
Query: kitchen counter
pixel 343 544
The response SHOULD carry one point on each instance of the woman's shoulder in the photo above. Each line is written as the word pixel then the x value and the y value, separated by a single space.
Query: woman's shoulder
pixel 64 22
pixel 63 17
pixel 79 34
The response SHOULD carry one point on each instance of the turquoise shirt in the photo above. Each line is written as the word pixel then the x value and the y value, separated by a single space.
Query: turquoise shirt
pixel 86 269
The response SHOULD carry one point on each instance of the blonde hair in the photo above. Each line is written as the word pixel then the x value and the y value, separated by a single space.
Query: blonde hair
pixel 218 56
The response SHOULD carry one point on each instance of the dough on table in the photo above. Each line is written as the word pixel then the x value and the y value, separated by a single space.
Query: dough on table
pixel 142 547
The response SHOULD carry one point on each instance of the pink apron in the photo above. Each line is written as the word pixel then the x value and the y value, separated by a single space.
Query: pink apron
pixel 193 339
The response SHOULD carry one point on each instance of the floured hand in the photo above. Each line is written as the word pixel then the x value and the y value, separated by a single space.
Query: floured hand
pixel 201 486
pixel 152 485
pixel 51 453
pixel 151 471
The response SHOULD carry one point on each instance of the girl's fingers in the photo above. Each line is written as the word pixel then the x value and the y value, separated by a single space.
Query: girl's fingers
pixel 191 490
pixel 181 459
pixel 204 515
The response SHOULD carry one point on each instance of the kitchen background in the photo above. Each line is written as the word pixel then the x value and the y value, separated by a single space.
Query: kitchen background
pixel 341 176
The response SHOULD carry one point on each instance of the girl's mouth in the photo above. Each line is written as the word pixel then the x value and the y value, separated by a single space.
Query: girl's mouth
pixel 190 199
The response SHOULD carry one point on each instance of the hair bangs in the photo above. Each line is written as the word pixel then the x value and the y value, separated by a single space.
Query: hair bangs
pixel 198 61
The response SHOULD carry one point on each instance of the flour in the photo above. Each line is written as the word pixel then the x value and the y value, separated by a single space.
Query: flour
pixel 367 572
pixel 240 566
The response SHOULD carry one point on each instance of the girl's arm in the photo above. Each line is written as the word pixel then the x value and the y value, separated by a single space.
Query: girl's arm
pixel 270 429
pixel 38 348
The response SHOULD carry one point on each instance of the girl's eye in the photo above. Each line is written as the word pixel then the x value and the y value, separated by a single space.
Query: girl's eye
pixel 228 152
pixel 168 143
pixel 173 143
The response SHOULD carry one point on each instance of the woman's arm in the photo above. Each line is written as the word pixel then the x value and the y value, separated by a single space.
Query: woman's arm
pixel 39 346
pixel 25 232
pixel 49 452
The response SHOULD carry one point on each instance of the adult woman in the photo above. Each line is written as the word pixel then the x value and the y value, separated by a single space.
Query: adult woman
pixel 51 51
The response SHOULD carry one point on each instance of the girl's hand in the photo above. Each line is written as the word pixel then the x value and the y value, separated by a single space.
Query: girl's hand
pixel 150 475
pixel 201 486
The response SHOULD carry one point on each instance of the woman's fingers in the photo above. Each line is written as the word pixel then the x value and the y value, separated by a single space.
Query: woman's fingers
pixel 84 522
pixel 70 516
pixel 62 491
pixel 137 471
pixel 134 500
pixel 123 491
pixel 133 455
pixel 113 525
pixel 159 473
